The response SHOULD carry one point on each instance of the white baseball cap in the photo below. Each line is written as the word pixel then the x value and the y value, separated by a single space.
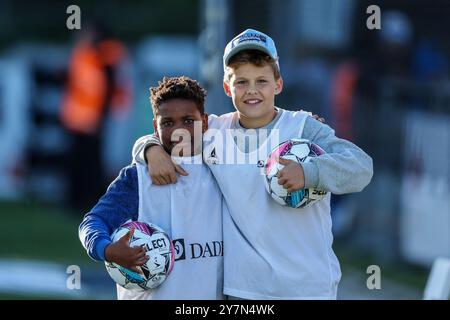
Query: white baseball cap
pixel 247 40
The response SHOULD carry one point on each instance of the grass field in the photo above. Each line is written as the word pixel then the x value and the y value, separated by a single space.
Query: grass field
pixel 32 231
pixel 43 232
pixel 402 273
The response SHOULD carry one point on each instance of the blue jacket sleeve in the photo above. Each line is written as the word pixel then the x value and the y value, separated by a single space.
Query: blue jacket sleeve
pixel 119 204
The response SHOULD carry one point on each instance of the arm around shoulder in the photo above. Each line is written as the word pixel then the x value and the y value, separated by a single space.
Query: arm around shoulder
pixel 141 145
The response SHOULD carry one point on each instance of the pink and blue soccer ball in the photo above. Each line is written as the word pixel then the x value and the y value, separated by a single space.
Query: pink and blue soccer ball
pixel 159 249
pixel 300 151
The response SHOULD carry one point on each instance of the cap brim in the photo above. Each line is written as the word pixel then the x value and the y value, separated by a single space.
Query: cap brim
pixel 247 46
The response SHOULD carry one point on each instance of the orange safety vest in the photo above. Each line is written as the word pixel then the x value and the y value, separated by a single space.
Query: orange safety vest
pixel 83 104
pixel 343 90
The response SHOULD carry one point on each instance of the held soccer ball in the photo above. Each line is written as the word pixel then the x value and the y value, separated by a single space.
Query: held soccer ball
pixel 301 151
pixel 159 249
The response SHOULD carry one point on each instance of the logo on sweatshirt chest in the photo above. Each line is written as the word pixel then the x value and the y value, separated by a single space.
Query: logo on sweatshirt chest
pixel 196 250
pixel 212 158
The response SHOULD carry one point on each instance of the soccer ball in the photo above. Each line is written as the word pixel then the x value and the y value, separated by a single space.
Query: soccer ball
pixel 161 254
pixel 299 150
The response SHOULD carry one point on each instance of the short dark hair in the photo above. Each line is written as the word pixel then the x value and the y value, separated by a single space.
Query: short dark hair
pixel 255 57
pixel 177 88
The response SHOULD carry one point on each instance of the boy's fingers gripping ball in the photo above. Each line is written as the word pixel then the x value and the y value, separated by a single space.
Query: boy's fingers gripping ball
pixel 297 150
pixel 155 264
pixel 284 161
pixel 126 238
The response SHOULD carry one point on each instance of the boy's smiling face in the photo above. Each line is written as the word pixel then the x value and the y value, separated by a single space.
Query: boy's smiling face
pixel 253 89
pixel 175 122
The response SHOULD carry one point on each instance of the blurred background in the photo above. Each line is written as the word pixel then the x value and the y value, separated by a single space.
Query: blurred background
pixel 387 90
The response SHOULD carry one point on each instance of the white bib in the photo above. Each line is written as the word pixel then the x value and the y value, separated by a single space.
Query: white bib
pixel 190 211
pixel 272 252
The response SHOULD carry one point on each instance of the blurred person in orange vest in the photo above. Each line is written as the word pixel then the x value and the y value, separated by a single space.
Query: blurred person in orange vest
pixel 95 87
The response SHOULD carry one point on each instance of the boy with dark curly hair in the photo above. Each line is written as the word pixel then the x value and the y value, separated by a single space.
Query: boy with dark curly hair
pixel 193 221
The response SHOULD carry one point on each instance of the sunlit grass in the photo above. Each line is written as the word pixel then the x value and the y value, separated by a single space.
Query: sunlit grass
pixel 398 271
pixel 40 232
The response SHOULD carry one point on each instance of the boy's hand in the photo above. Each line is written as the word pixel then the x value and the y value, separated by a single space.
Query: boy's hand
pixel 315 116
pixel 128 257
pixel 291 177
pixel 161 167
pixel 318 118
